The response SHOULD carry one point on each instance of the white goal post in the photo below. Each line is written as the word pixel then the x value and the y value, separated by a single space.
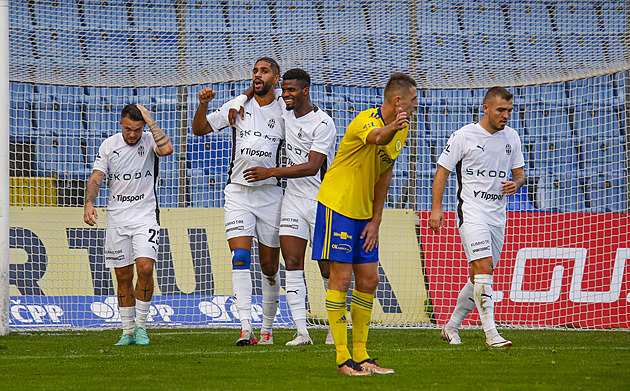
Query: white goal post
pixel 73 65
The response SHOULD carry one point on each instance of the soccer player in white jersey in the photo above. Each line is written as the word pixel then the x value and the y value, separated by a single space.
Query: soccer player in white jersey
pixel 251 209
pixel 130 161
pixel 483 154
pixel 310 149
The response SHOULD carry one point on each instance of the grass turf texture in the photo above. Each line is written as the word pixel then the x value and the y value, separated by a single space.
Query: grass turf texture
pixel 208 359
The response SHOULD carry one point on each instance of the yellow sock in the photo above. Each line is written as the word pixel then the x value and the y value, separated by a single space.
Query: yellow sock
pixel 361 312
pixel 336 309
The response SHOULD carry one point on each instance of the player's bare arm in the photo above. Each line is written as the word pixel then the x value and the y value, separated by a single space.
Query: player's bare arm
pixel 162 141
pixel 200 124
pixel 518 180
pixel 439 184
pixel 370 232
pixel 310 168
pixel 385 135
pixel 91 192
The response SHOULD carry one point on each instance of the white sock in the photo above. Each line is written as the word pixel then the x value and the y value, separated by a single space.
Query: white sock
pixel 142 312
pixel 242 287
pixel 296 298
pixel 126 316
pixel 485 303
pixel 465 304
pixel 270 299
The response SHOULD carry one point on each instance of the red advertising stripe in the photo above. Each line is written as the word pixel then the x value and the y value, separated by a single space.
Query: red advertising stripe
pixel 556 269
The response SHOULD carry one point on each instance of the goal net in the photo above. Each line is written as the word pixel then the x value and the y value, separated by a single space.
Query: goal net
pixel 75 63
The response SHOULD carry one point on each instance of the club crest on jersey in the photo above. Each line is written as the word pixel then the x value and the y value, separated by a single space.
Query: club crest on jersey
pixel 398 145
pixel 508 149
pixel 141 150
pixel 299 133
pixel 271 123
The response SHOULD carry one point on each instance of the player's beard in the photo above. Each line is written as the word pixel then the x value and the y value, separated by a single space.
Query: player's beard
pixel 264 90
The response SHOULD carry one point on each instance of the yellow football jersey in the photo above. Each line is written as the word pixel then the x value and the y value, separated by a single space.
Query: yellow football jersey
pixel 348 186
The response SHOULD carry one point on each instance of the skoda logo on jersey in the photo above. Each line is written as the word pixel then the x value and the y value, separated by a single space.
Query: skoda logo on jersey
pixel 398 145
pixel 141 150
pixel 271 123
pixel 508 149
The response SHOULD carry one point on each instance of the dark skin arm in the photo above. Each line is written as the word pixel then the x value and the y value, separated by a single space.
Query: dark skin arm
pixel 310 168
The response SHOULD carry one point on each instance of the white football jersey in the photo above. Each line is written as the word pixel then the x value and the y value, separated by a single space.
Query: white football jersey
pixel 257 139
pixel 314 131
pixel 132 173
pixel 482 161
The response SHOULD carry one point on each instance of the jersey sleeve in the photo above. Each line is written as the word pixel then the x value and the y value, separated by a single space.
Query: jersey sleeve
pixel 324 136
pixel 453 152
pixel 219 119
pixel 518 160
pixel 364 124
pixel 102 159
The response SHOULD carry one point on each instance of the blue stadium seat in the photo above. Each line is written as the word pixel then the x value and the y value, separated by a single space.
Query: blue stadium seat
pixel 573 17
pixel 251 44
pixel 602 123
pixel 571 193
pixel 291 16
pixel 607 193
pixel 538 49
pixel 343 15
pixel 390 49
pixel 601 155
pixel 557 156
pixel 613 15
pixel 206 188
pixel 206 16
pixel 545 96
pixel 341 46
pixel 483 18
pixel 597 92
pixel 210 151
pixel 198 44
pixel 299 47
pixel 482 47
pixel 59 14
pixel 439 17
pixel 424 190
pixel 581 50
pixel 442 47
pixel 520 202
pixel 424 157
pixel 168 189
pixel 19 15
pixel 155 45
pixel 617 44
pixel 105 15
pixel 254 17
pixel 383 12
pixel 59 44
pixel 55 154
pixel 444 120
pixel 109 46
pixel 145 13
pixel 20 110
pixel 528 17
pixel 549 123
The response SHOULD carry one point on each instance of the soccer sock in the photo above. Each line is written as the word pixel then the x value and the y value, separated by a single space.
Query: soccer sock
pixel 296 297
pixel 465 304
pixel 361 313
pixel 126 316
pixel 484 302
pixel 242 286
pixel 336 309
pixel 270 299
pixel 142 312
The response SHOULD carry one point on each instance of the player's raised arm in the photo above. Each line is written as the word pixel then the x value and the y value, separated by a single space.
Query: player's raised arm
pixel 91 192
pixel 200 124
pixel 164 147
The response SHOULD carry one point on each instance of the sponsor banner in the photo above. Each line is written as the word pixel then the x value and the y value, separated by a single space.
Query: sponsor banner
pixel 556 269
pixel 102 312
pixel 53 253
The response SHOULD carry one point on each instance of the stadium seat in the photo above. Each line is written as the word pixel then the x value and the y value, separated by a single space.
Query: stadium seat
pixel 444 120
pixel 520 202
pixel 254 17
pixel 208 151
pixel 206 16
pixel 597 92
pixel 599 155
pixel 582 50
pixel 290 15
pixel 528 17
pixel 250 44
pixel 442 47
pixel 601 123
pixel 482 47
pixel 381 14
pixel 545 96
pixel 537 49
pixel 439 17
pixel 483 18
pixel 571 194
pixel 424 196
pixel 55 43
pixel 19 16
pixel 343 15
pixel 548 193
pixel 557 156
pixel 60 14
pixel 607 192
pixel 105 16
pixel 146 12
pixel 168 189
pixel 206 189
pixel 155 45
pixel 299 47
pixel 613 16
pixel 546 123
pixel 573 17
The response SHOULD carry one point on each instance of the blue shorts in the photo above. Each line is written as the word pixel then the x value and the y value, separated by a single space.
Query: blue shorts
pixel 336 238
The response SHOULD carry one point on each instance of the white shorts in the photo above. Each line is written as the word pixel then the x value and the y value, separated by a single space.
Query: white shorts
pixel 253 211
pixel 123 245
pixel 482 240
pixel 298 217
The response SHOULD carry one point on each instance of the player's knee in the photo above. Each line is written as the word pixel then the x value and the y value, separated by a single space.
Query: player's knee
pixel 241 259
pixel 269 269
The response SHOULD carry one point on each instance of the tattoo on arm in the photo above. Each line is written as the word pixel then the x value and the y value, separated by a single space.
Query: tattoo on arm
pixel 93 186
pixel 158 135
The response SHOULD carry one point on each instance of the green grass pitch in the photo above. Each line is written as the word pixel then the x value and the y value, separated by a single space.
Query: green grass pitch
pixel 207 359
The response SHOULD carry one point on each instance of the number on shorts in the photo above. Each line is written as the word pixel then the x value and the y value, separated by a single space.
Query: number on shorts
pixel 153 233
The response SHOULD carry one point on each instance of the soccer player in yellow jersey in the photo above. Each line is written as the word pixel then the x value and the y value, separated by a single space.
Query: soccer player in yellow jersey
pixel 349 212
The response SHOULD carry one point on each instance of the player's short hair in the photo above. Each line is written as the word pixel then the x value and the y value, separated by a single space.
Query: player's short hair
pixel 398 82
pixel 298 74
pixel 497 91
pixel 132 112
pixel 274 65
